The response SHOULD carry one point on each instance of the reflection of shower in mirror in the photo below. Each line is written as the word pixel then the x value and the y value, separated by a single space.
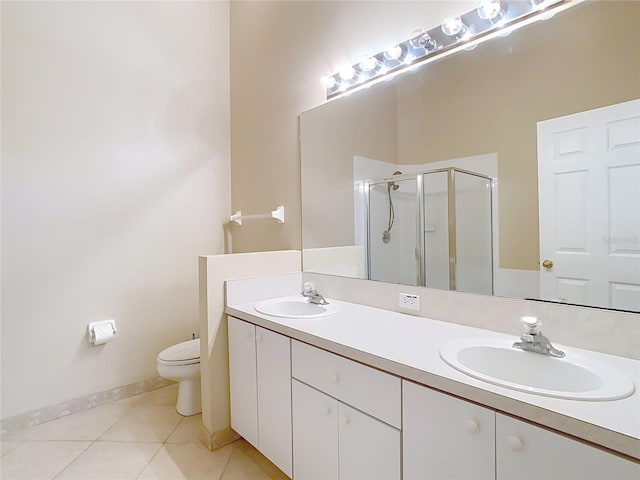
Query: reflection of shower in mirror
pixel 386 235
pixel 442 224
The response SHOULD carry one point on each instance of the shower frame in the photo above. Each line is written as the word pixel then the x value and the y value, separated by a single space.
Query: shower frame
pixel 421 278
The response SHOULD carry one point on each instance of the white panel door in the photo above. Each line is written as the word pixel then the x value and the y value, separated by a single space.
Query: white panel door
pixel 242 380
pixel 524 451
pixel 368 448
pixel 315 434
pixel 274 397
pixel 589 201
pixel 444 437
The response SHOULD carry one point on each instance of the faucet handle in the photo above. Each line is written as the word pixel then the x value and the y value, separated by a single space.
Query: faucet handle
pixel 308 288
pixel 531 324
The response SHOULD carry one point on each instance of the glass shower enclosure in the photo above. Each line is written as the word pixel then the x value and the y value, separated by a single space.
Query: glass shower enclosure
pixel 431 229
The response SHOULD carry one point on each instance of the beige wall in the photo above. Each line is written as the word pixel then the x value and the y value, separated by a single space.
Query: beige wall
pixel 279 51
pixel 115 177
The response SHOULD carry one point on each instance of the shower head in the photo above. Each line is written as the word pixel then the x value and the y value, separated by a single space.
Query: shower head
pixel 394 185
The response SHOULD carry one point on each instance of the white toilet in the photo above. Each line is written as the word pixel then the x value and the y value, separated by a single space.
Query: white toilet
pixel 181 363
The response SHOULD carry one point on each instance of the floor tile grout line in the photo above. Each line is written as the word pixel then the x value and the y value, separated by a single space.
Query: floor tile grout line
pixel 162 445
pixel 234 444
pixel 174 429
pixel 144 467
pixel 57 475
pixel 126 412
pixel 94 441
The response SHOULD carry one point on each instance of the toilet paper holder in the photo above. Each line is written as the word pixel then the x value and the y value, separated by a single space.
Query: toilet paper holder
pixel 101 332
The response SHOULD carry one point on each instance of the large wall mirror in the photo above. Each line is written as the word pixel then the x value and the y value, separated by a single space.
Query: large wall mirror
pixel 457 174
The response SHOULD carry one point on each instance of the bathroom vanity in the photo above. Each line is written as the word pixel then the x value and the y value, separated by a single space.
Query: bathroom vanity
pixel 363 393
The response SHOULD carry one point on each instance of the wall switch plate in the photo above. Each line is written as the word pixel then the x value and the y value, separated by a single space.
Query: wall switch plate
pixel 409 301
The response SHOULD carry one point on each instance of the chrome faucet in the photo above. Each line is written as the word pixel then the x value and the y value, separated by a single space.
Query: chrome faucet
pixel 534 341
pixel 309 291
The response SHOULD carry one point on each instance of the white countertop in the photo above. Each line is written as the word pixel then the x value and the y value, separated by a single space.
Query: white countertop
pixel 408 346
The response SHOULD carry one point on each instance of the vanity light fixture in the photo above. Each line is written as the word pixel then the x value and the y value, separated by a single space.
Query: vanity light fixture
pixel 488 20
pixel 540 4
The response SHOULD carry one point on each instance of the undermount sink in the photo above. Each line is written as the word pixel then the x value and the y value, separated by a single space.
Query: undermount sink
pixel 295 307
pixel 576 376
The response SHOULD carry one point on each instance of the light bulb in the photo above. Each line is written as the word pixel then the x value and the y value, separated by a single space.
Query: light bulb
pixel 393 53
pixel 421 39
pixel 368 63
pixel 347 73
pixel 490 10
pixel 408 59
pixel 454 26
pixel 329 82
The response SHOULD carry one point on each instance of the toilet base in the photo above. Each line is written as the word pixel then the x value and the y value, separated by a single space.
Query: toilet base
pixel 189 397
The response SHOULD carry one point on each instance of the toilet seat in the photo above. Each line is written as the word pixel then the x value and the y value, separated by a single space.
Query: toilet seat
pixel 185 353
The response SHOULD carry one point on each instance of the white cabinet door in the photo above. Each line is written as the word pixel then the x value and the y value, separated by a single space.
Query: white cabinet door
pixel 242 380
pixel 315 434
pixel 524 451
pixel 274 397
pixel 368 448
pixel 444 437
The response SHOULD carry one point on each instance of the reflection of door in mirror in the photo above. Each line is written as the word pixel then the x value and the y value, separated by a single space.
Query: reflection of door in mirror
pixel 589 191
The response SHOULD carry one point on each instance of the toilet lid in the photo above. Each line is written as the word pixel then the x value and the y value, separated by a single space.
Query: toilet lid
pixel 189 350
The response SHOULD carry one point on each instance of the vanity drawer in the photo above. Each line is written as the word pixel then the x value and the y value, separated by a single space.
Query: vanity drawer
pixel 365 388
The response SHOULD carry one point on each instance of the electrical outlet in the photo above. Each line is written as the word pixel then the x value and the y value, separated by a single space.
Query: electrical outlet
pixel 409 301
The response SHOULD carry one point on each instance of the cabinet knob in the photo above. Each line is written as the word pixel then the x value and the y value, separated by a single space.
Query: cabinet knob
pixel 258 337
pixel 335 378
pixel 514 442
pixel 346 421
pixel 326 411
pixel 472 426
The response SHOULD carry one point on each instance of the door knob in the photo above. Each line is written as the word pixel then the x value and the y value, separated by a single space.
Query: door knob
pixel 547 264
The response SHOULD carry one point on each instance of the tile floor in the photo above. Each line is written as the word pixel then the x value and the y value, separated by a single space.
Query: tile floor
pixel 141 437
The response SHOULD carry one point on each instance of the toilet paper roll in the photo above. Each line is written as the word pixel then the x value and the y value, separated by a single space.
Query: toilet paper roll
pixel 102 334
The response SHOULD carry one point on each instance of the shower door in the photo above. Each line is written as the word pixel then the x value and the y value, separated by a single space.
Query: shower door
pixel 473 227
pixel 458 231
pixel 394 234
